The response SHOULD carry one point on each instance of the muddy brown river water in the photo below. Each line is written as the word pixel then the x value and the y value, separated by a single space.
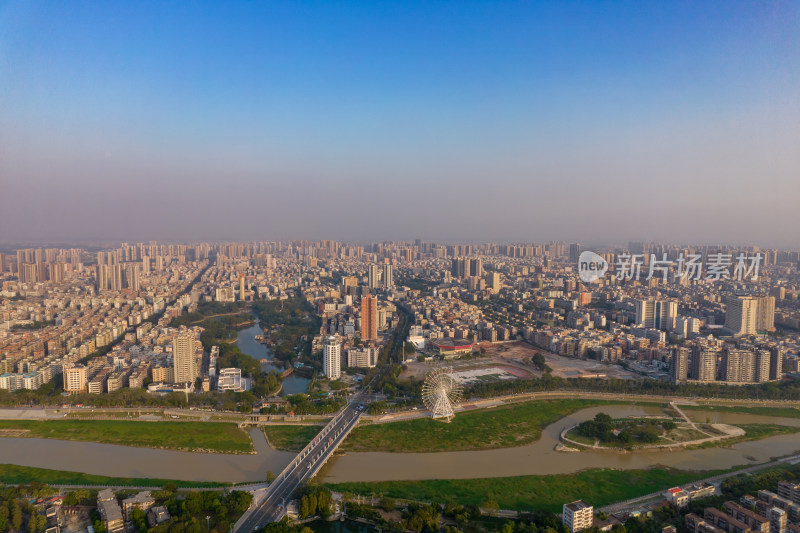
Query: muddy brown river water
pixel 537 458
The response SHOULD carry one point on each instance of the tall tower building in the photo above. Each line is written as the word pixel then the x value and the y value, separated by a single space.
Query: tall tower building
pixel 762 370
pixel 374 275
pixel 332 358
pixel 369 318
pixel 680 364
pixel 704 364
pixel 741 314
pixel 739 366
pixel 476 267
pixel 183 362
pixel 776 363
pixel 656 314
pixel 765 319
pixel 493 281
pixel 388 276
pixel 459 267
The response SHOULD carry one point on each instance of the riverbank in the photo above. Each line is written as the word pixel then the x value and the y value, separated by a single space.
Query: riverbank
pixel 16 475
pixel 532 493
pixel 216 437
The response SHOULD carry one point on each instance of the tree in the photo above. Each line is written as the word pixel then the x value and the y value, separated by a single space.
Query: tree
pixel 270 476
pixel 508 527
pixel 139 520
pixel 387 504
pixel 194 503
pixel 491 507
pixel 16 516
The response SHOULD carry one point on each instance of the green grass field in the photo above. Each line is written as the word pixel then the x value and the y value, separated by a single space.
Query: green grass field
pixel 787 412
pixel 201 436
pixel 290 438
pixel 532 493
pixel 14 475
pixel 500 427
pixel 752 432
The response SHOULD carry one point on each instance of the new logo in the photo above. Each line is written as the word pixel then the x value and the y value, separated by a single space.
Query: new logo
pixel 591 267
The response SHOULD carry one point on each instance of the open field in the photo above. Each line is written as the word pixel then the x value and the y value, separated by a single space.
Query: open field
pixel 751 432
pixel 13 475
pixel 532 493
pixel 188 436
pixel 500 427
pixel 291 438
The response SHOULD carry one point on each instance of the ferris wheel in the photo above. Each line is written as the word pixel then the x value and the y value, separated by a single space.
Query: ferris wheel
pixel 441 392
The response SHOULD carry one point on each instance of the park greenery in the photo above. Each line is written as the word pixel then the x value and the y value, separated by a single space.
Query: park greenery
pixel 17 510
pixel 199 512
pixel 500 427
pixel 785 390
pixel 624 432
pixel 219 437
pixel 313 404
pixel 221 323
pixel 290 326
pixel 313 500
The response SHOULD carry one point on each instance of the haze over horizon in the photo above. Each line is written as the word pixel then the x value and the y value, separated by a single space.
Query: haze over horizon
pixel 460 122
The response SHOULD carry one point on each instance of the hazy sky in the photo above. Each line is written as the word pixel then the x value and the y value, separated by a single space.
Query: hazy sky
pixel 459 121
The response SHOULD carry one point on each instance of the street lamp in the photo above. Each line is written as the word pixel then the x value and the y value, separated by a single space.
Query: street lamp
pixel 208 524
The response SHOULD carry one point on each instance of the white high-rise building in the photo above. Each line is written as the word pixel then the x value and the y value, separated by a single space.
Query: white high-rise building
pixel 183 362
pixel 741 315
pixel 332 358
pixel 577 515
pixel 656 314
pixel 687 327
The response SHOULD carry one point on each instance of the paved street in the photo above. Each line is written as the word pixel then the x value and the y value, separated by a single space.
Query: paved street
pixel 272 506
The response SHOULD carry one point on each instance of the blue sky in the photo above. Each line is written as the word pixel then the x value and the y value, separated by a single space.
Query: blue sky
pixel 394 120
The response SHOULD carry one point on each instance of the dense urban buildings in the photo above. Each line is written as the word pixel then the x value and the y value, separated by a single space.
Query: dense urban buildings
pixel 65 304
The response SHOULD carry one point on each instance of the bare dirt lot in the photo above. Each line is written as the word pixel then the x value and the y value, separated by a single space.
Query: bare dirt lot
pixel 504 360
pixel 565 367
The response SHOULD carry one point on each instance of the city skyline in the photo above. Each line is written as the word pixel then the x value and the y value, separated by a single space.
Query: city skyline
pixel 450 123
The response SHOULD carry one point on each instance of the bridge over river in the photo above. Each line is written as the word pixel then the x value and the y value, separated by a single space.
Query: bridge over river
pixel 269 505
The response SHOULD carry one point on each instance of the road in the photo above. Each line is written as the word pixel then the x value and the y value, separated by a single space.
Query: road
pixel 272 506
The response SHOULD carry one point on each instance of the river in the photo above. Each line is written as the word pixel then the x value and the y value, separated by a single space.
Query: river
pixel 127 461
pixel 540 458
pixel 537 458
pixel 247 343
